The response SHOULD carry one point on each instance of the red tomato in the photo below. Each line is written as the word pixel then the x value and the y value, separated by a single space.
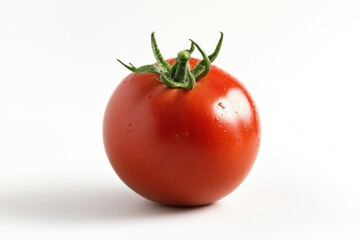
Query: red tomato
pixel 182 147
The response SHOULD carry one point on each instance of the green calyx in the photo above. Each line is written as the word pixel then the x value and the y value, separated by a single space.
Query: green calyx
pixel 178 75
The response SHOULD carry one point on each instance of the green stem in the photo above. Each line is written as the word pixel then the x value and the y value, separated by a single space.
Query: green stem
pixel 178 75
pixel 182 66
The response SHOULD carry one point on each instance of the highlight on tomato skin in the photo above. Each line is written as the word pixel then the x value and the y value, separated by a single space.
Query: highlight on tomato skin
pixel 181 132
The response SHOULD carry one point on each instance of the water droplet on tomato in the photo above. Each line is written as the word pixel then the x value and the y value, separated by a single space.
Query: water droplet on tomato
pixel 221 105
pixel 129 124
pixel 149 97
pixel 150 115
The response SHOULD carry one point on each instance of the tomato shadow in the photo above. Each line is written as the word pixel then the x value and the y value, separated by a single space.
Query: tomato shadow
pixel 71 204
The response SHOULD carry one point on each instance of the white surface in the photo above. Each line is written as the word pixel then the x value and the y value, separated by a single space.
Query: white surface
pixel 299 59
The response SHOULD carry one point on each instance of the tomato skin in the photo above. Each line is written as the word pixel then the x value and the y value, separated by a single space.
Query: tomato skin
pixel 182 147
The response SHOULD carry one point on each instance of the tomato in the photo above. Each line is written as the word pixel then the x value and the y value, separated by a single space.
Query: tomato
pixel 177 146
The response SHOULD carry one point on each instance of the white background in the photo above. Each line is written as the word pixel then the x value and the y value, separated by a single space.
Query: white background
pixel 299 59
